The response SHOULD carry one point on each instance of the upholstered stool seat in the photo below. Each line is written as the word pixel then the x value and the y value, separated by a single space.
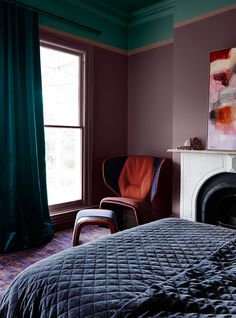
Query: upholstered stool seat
pixel 102 217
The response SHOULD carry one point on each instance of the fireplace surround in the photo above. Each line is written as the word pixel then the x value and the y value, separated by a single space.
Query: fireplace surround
pixel 208 186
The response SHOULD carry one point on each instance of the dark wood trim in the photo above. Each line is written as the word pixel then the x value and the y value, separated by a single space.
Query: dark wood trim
pixel 66 48
pixel 63 221
pixel 62 40
pixel 89 124
pixel 65 207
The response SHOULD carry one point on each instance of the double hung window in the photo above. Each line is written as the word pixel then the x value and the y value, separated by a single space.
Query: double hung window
pixel 63 84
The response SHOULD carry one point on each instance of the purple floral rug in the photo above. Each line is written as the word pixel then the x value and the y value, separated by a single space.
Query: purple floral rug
pixel 13 263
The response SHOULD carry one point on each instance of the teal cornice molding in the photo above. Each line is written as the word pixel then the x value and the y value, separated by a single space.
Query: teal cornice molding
pixel 124 18
pixel 152 12
pixel 116 29
pixel 187 11
pixel 108 12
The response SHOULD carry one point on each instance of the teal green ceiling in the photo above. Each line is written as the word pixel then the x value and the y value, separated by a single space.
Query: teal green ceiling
pixel 128 5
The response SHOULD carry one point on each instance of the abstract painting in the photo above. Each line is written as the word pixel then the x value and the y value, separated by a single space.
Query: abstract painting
pixel 222 100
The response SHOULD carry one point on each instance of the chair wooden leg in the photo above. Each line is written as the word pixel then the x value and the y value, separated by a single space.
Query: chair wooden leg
pixel 76 234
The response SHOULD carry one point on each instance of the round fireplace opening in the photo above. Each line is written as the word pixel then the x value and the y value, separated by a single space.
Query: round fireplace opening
pixel 216 202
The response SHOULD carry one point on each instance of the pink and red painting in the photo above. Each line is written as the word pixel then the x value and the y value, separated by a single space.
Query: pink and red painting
pixel 222 100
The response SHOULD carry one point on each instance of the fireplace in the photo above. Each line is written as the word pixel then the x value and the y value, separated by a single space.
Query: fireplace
pixel 216 200
pixel 208 186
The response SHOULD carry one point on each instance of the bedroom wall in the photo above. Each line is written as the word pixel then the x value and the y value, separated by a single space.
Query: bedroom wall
pixel 150 60
pixel 150 80
pixel 110 113
pixel 150 101
pixel 192 44
pixel 150 44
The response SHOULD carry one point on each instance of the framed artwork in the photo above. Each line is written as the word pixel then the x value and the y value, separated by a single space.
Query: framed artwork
pixel 222 100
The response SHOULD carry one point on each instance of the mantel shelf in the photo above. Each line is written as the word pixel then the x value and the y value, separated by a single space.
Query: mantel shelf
pixel 225 152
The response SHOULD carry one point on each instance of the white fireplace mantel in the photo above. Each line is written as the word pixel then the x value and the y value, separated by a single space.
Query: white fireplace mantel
pixel 197 166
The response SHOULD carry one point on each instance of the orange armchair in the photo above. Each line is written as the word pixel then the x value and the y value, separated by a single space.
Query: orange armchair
pixel 141 183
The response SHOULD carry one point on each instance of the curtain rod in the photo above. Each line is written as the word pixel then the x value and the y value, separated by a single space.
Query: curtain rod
pixel 81 26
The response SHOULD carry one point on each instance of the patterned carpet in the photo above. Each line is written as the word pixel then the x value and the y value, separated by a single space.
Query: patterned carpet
pixel 13 263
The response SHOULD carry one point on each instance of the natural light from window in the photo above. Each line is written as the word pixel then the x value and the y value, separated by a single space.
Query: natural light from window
pixel 63 133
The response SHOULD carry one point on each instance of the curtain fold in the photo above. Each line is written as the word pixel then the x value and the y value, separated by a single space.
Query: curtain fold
pixel 24 215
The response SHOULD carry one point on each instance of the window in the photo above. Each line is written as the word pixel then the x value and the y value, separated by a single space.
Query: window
pixel 63 84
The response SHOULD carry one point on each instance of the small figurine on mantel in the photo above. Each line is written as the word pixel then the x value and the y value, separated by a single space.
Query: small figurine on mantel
pixel 192 144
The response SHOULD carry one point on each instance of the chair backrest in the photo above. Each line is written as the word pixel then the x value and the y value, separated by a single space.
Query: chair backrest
pixel 136 177
pixel 133 176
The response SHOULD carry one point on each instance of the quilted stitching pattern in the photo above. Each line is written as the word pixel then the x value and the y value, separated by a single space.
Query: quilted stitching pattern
pixel 207 289
pixel 95 279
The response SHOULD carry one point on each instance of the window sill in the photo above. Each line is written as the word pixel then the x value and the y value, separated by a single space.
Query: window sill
pixel 65 218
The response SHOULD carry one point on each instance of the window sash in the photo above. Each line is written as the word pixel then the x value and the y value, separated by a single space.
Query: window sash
pixel 82 56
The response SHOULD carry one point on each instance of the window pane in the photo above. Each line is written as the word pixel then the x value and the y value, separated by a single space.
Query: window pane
pixel 64 164
pixel 60 82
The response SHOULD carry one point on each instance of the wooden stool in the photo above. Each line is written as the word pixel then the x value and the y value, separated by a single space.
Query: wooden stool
pixel 103 217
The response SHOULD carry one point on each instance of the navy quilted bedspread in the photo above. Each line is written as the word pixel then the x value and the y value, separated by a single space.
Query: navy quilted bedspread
pixel 168 268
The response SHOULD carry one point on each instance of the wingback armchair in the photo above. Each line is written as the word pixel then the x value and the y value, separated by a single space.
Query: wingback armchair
pixel 140 183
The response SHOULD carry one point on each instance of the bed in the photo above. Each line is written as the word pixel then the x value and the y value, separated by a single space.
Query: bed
pixel 167 268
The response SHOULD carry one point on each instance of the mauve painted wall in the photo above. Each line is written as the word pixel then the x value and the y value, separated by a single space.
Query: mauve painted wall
pixel 109 114
pixel 192 44
pixel 150 102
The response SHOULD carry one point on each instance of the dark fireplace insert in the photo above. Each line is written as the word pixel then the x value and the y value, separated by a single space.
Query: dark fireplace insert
pixel 216 201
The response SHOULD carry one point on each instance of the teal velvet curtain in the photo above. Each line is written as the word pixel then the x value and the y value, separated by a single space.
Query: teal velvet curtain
pixel 24 215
